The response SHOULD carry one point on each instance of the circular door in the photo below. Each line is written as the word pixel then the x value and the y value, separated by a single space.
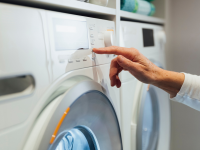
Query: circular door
pixel 82 118
pixel 148 120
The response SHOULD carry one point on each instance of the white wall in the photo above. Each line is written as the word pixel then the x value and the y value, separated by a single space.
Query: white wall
pixel 183 55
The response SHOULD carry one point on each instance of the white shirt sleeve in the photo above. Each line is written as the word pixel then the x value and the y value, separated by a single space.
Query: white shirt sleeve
pixel 189 93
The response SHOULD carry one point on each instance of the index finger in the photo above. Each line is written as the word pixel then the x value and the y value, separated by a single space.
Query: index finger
pixel 126 52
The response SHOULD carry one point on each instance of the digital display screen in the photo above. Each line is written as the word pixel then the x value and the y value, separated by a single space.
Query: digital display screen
pixel 148 37
pixel 70 34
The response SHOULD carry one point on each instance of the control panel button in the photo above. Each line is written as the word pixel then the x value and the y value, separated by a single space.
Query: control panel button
pixel 78 60
pixel 93 56
pixel 70 61
pixel 162 37
pixel 92 35
pixel 85 59
pixel 91 28
pixel 108 38
pixel 107 55
pixel 62 57
pixel 92 41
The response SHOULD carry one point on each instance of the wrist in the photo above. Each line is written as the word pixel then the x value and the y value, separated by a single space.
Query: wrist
pixel 157 76
pixel 169 81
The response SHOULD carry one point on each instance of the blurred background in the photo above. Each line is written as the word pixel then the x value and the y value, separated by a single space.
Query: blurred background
pixel 182 55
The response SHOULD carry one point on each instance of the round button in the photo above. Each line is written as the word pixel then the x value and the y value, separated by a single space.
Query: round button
pixel 162 37
pixel 91 35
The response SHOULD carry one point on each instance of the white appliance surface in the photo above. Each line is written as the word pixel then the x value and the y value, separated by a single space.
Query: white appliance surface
pixel 132 35
pixel 37 42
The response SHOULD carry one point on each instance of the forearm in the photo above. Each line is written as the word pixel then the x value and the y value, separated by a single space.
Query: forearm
pixel 183 88
pixel 169 81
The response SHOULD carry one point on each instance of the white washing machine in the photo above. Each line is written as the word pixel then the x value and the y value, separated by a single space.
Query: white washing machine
pixel 55 93
pixel 145 108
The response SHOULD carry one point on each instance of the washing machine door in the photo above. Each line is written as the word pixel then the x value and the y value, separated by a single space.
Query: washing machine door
pixel 148 119
pixel 83 118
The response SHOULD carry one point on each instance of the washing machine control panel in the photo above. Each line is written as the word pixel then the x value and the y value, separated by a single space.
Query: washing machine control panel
pixel 72 39
pixel 147 38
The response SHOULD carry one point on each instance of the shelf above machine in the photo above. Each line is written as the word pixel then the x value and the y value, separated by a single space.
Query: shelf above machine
pixel 70 6
pixel 89 8
pixel 137 17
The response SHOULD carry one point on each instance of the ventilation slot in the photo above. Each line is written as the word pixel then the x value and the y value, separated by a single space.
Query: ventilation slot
pixel 11 87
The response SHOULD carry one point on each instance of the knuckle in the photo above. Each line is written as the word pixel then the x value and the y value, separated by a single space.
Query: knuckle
pixel 117 49
pixel 114 47
pixel 112 61
pixel 129 64
pixel 134 50
pixel 119 57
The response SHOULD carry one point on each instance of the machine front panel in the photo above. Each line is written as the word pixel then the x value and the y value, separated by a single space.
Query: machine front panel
pixel 146 38
pixel 72 39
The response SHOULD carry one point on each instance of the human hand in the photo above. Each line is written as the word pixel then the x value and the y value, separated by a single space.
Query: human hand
pixel 129 59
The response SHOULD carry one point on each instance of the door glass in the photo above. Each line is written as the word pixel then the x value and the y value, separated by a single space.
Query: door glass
pixel 150 121
pixel 79 138
pixel 91 124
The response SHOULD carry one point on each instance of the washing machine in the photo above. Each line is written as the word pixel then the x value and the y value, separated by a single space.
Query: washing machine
pixel 145 108
pixel 55 93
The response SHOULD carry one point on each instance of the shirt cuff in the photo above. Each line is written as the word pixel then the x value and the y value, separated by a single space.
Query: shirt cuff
pixel 189 93
pixel 185 88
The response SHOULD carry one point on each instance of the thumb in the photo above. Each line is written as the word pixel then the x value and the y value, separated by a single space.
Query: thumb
pixel 125 63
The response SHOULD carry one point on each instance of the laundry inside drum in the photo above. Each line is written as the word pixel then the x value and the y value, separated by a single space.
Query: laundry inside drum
pixel 78 138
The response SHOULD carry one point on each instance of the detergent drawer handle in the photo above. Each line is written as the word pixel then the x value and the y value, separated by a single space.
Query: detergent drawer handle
pixel 16 86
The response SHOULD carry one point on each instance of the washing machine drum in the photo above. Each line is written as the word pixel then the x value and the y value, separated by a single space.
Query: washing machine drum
pixel 89 121
pixel 90 124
